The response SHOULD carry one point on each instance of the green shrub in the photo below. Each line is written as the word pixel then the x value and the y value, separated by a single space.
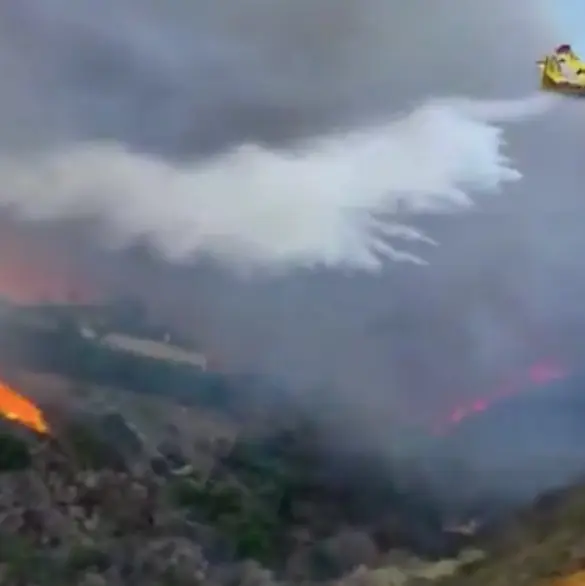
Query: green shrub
pixel 14 453
pixel 82 558
pixel 25 564
pixel 212 500
pixel 89 450
pixel 246 520
pixel 254 534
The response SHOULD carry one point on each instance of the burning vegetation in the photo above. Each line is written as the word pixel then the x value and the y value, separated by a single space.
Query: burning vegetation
pixel 538 374
pixel 16 407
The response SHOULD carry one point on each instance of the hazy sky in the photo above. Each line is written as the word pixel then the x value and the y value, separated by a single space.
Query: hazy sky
pixel 568 14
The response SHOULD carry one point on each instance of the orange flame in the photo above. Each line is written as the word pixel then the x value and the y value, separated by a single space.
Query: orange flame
pixel 540 373
pixel 15 407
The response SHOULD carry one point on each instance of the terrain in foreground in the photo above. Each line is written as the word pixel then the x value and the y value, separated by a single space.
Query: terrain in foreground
pixel 195 488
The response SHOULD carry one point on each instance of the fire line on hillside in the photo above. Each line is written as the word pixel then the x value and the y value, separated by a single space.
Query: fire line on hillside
pixel 542 372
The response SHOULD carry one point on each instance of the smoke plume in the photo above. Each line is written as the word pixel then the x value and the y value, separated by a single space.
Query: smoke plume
pixel 263 135
pixel 330 201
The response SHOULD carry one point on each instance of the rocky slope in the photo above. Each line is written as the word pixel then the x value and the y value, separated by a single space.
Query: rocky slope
pixel 75 511
pixel 149 488
pixel 543 544
pixel 101 501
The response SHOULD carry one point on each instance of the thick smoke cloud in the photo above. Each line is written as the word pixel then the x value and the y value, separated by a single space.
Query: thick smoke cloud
pixel 322 204
pixel 327 201
pixel 182 81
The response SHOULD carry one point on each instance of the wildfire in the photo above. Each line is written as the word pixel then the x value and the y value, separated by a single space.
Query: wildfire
pixel 539 373
pixel 16 407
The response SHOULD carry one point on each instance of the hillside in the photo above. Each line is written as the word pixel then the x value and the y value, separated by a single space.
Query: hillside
pixel 76 510
pixel 200 479
pixel 79 508
pixel 542 544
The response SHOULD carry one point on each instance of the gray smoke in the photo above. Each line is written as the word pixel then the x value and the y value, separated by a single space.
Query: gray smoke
pixel 183 82
pixel 329 200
